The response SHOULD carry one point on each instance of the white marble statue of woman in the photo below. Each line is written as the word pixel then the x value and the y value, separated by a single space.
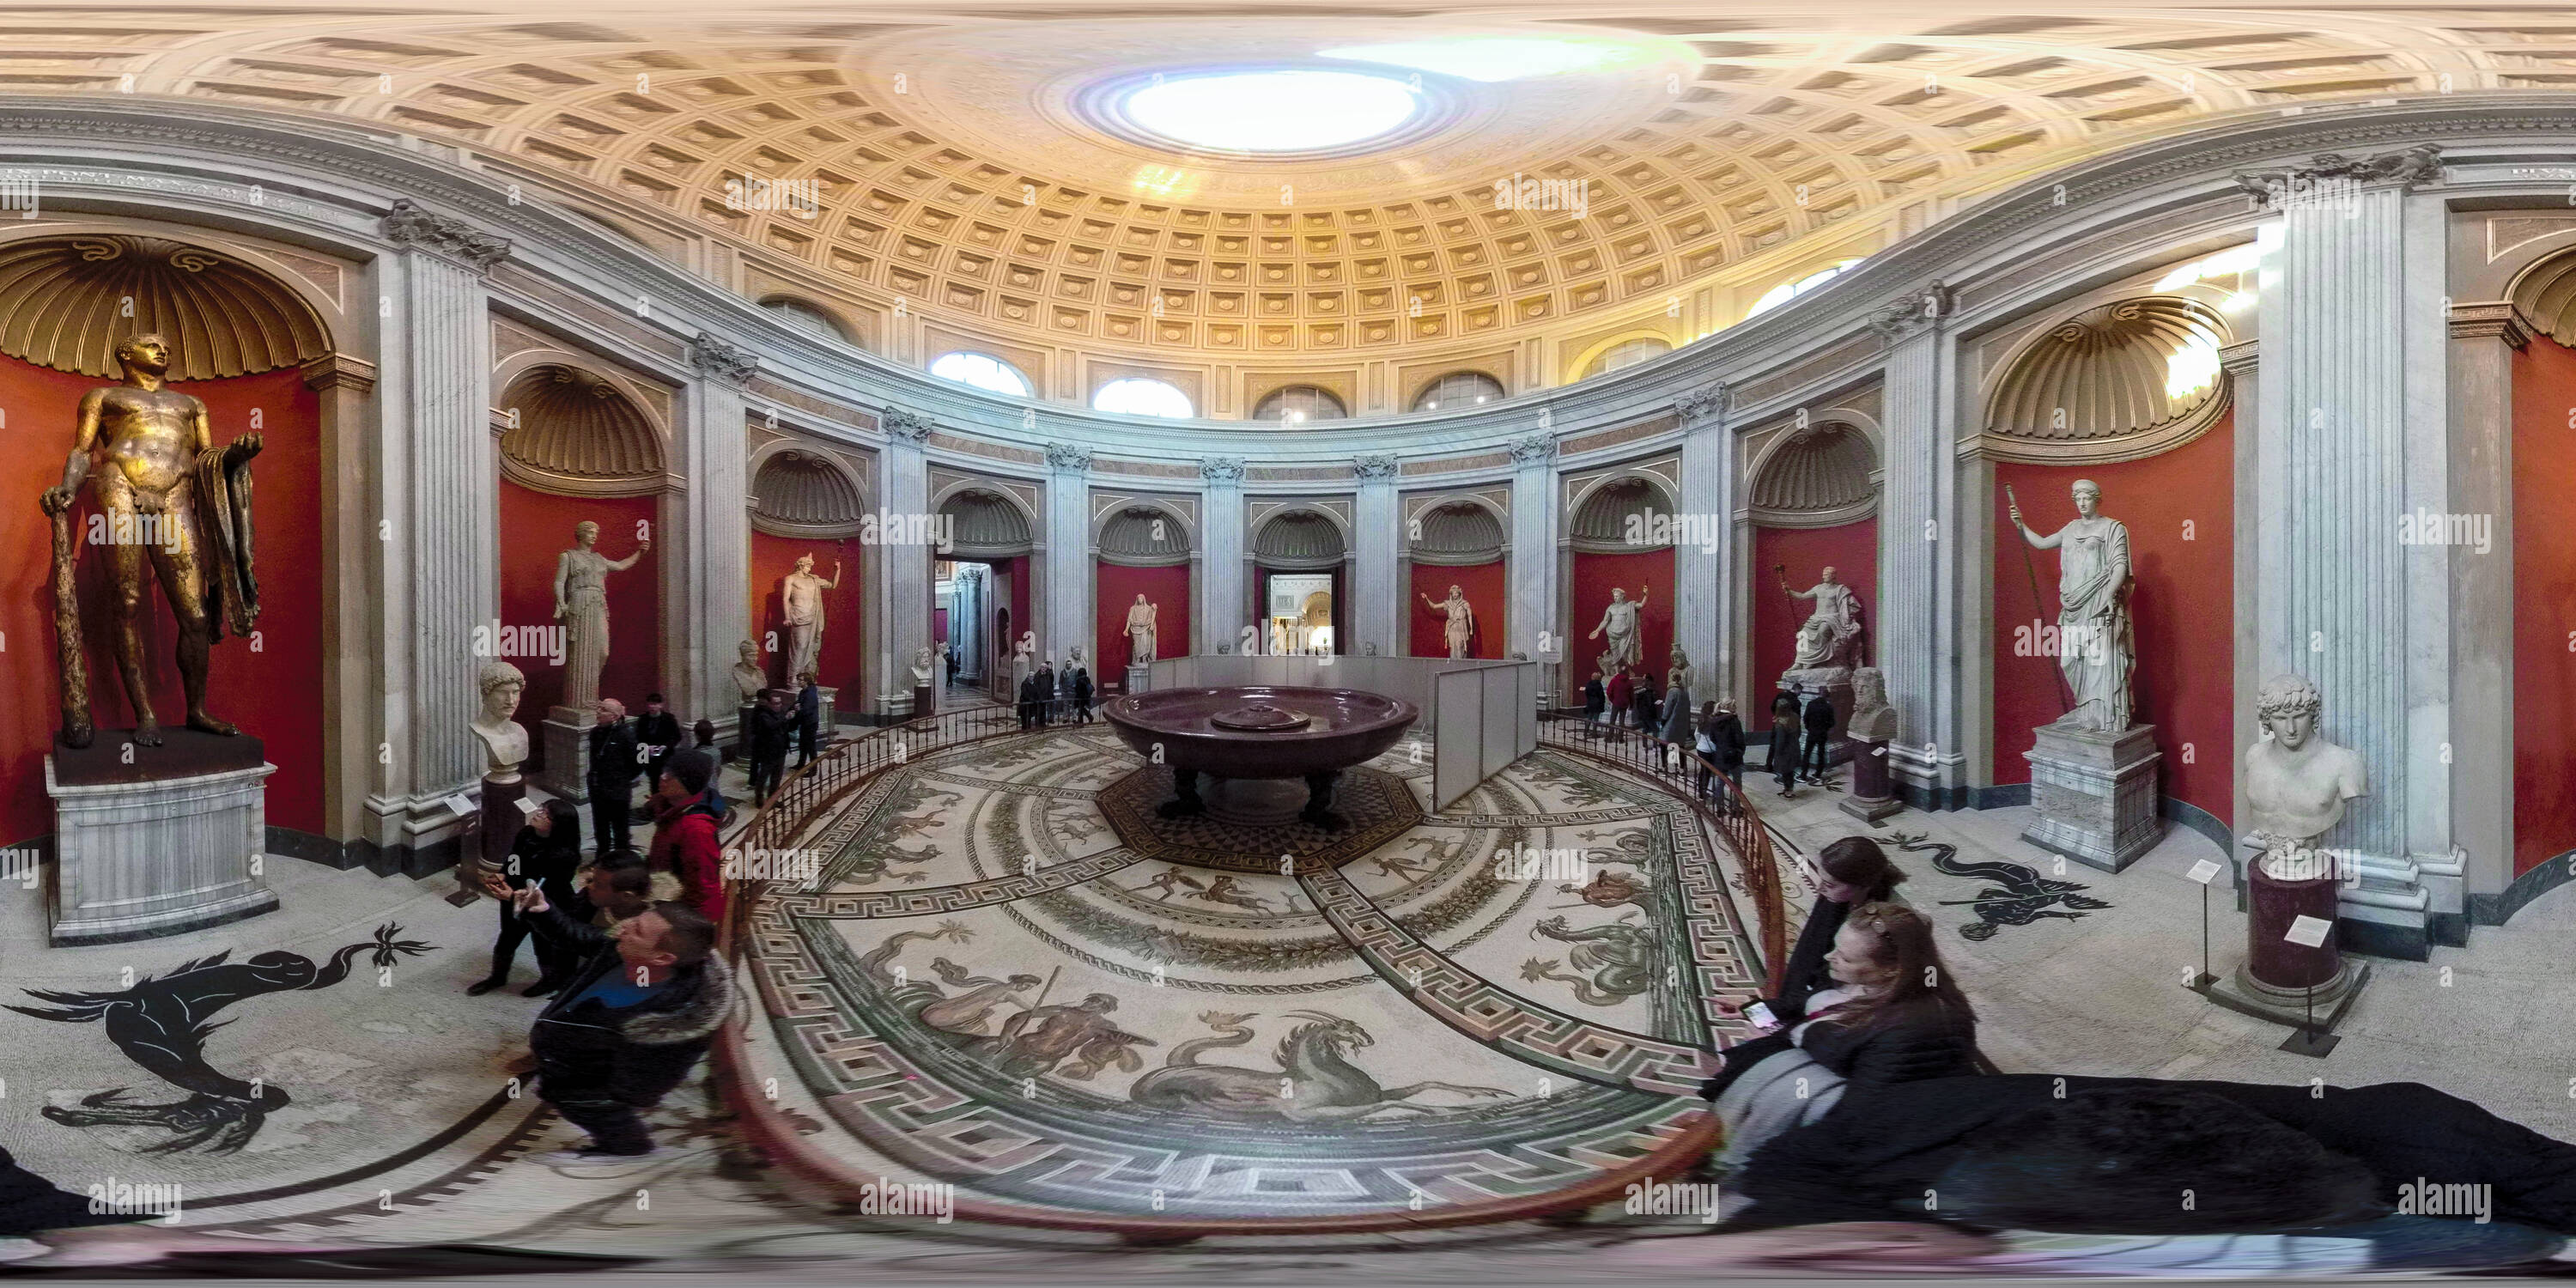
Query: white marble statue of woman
pixel 800 596
pixel 505 741
pixel 1827 636
pixel 581 604
pixel 1024 656
pixel 1141 619
pixel 2096 648
pixel 1458 620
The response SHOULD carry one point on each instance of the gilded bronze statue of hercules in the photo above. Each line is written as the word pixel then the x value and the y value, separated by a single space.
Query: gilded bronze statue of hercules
pixel 163 493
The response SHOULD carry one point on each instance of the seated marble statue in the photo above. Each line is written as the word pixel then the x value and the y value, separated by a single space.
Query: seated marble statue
pixel 2296 782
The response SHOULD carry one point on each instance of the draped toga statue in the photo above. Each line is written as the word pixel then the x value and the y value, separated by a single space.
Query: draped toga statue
pixel 2095 646
pixel 1459 623
pixel 167 496
pixel 1619 622
pixel 581 604
pixel 800 597
pixel 1141 617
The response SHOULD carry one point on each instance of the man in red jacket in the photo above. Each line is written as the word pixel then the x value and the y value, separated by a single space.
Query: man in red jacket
pixel 684 834
pixel 1621 693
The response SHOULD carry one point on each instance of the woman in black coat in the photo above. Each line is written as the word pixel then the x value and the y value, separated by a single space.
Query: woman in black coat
pixel 1785 727
pixel 545 855
pixel 1892 1014
pixel 1854 871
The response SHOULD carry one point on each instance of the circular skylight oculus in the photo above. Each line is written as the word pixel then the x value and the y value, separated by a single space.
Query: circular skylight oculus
pixel 1275 111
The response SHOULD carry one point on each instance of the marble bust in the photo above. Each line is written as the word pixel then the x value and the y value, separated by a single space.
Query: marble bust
pixel 1678 668
pixel 748 677
pixel 505 741
pixel 1872 719
pixel 2296 782
pixel 921 665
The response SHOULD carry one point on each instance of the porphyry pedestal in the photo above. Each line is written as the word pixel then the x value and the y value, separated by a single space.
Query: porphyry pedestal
pixel 1873 790
pixel 169 840
pixel 2093 794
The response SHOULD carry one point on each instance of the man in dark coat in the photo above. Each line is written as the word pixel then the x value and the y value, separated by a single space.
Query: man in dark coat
pixel 1027 701
pixel 628 1026
pixel 1619 693
pixel 657 735
pixel 1081 693
pixel 772 725
pixel 1042 691
pixel 809 717
pixel 611 779
pixel 1784 738
pixel 1819 721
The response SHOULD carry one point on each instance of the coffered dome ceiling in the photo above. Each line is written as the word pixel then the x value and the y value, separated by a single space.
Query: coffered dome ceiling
pixel 968 162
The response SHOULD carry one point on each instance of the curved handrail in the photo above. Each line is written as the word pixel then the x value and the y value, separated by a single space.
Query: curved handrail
pixel 1740 823
pixel 849 764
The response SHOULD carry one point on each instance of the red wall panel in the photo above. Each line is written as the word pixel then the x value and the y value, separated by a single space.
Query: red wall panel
pixel 1488 592
pixel 535 528
pixel 2180 510
pixel 1851 549
pixel 1115 588
pixel 2544 593
pixel 1594 575
pixel 271 686
pixel 773 558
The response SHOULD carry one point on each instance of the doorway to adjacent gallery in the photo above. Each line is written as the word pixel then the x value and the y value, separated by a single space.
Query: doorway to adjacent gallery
pixel 1299 613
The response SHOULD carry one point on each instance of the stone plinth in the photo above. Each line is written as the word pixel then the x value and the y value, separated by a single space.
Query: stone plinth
pixel 2094 794
pixel 567 771
pixel 925 701
pixel 2282 981
pixel 1873 788
pixel 1139 679
pixel 891 707
pixel 171 843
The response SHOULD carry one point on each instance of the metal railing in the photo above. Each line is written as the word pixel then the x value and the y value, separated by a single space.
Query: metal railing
pixel 1720 800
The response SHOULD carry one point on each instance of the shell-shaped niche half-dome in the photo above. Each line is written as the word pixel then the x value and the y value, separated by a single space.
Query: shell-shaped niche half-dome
pixel 987 526
pixel 1142 536
pixel 799 494
pixel 565 429
pixel 1298 540
pixel 1460 532
pixel 66 302
pixel 1822 473
pixel 2128 367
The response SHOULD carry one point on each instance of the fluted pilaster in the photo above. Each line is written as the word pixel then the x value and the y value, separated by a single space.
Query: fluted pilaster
pixel 1914 634
pixel 1535 623
pixel 1705 538
pixel 712 561
pixel 907 566
pixel 1377 603
pixel 1067 623
pixel 1222 612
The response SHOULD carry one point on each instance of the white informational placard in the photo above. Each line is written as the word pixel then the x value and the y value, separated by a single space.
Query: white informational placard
pixel 2308 932
pixel 2206 871
pixel 464 807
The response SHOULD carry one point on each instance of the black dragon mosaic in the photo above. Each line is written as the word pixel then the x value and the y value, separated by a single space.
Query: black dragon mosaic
pixel 162 1022
pixel 2019 896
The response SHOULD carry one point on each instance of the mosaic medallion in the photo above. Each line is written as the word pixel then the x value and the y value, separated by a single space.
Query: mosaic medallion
pixel 1250 824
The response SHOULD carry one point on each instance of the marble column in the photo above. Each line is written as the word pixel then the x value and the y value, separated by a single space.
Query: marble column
pixel 2353 432
pixel 710 564
pixel 1913 635
pixel 438 505
pixel 2483 340
pixel 1704 535
pixel 907 567
pixel 345 387
pixel 1376 601
pixel 1534 627
pixel 1222 613
pixel 1066 622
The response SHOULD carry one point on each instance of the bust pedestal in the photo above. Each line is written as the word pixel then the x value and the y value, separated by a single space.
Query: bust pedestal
pixel 2280 980
pixel 925 698
pixel 1139 678
pixel 504 797
pixel 1873 789
pixel 567 771
pixel 2094 794
pixel 173 842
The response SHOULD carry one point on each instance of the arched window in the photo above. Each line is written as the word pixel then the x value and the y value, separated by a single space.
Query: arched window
pixel 1787 291
pixel 1459 389
pixel 1297 404
pixel 984 371
pixel 1627 353
pixel 1140 396
pixel 805 317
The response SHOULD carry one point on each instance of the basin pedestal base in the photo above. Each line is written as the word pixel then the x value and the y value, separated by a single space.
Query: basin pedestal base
pixel 1254 801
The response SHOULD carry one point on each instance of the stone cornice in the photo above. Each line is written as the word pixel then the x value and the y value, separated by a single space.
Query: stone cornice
pixel 408 224
pixel 1221 469
pixel 1707 401
pixel 340 371
pixel 1534 449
